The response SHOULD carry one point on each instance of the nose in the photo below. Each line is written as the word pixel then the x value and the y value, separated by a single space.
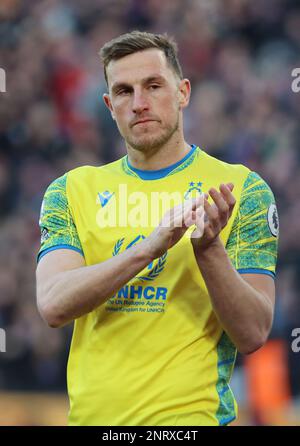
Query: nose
pixel 139 103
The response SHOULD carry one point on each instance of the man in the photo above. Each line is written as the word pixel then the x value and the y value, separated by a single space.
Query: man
pixel 159 309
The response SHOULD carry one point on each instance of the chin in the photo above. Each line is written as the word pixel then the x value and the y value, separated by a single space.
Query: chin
pixel 148 142
pixel 152 138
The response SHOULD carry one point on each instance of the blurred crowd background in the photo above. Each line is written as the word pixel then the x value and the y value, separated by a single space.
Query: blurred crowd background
pixel 239 55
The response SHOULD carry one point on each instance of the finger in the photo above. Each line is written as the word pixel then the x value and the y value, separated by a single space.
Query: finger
pixel 230 186
pixel 196 202
pixel 228 196
pixel 191 214
pixel 199 219
pixel 190 206
pixel 183 214
pixel 195 217
pixel 176 216
pixel 199 230
pixel 199 200
pixel 222 206
pixel 199 222
pixel 212 217
pixel 190 219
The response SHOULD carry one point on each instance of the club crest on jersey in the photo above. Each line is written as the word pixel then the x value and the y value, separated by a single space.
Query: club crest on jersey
pixel 104 197
pixel 44 235
pixel 273 220
pixel 154 268
pixel 194 190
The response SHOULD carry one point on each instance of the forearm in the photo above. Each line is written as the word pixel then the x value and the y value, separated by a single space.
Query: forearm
pixel 245 313
pixel 74 293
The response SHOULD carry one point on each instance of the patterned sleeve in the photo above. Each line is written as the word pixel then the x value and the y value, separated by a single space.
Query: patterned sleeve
pixel 253 241
pixel 58 230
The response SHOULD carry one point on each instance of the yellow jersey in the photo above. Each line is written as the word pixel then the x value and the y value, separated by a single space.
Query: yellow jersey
pixel 155 353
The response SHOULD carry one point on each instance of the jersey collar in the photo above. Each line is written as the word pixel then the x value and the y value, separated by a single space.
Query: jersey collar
pixel 161 173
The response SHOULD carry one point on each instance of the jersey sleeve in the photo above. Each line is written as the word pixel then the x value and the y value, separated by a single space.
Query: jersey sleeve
pixel 253 241
pixel 58 230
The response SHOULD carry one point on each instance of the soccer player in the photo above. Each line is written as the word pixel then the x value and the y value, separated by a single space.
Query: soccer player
pixel 163 293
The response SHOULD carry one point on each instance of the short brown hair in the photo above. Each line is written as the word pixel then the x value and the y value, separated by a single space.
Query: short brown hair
pixel 135 41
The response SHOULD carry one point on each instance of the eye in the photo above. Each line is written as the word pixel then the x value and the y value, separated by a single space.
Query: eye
pixel 123 92
pixel 154 86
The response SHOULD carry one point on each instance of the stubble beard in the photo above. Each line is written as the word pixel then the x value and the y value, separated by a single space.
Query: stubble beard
pixel 147 143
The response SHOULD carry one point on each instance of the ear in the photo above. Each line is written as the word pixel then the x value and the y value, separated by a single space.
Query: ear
pixel 107 102
pixel 184 91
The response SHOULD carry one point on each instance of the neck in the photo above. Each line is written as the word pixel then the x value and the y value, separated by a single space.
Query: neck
pixel 159 157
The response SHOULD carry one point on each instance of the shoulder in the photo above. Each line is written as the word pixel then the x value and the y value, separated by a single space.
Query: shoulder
pixel 59 185
pixel 221 169
pixel 92 171
pixel 55 195
pixel 256 192
pixel 255 180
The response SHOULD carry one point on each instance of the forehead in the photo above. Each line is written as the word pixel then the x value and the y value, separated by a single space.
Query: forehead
pixel 137 66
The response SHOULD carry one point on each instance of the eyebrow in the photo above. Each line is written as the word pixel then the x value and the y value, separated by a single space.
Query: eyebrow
pixel 154 78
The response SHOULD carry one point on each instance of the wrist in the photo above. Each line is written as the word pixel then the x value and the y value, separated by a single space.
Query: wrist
pixel 213 249
pixel 146 251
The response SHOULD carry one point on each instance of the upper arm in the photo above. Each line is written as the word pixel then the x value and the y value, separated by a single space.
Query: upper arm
pixel 253 241
pixel 53 263
pixel 58 229
pixel 264 284
pixel 60 248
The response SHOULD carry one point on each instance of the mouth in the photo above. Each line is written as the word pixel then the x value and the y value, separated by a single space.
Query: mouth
pixel 143 121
